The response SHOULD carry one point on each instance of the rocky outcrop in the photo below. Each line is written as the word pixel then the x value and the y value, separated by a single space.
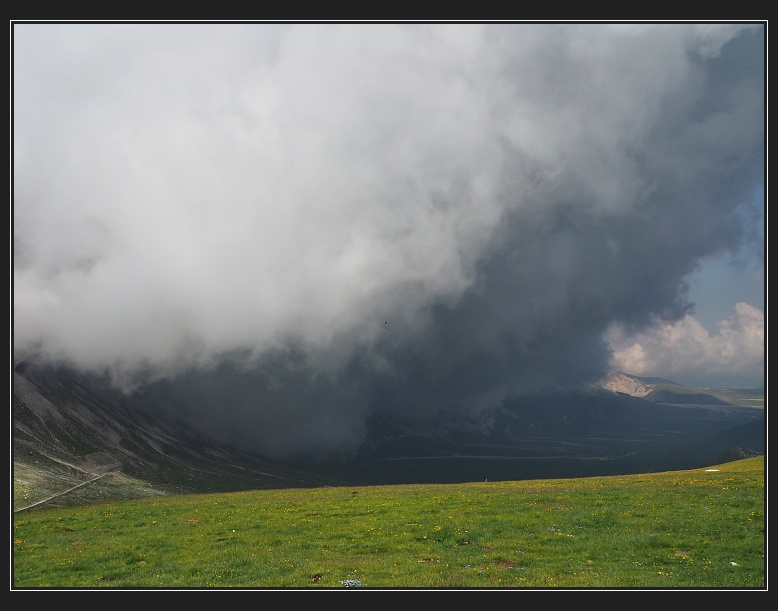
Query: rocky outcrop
pixel 628 385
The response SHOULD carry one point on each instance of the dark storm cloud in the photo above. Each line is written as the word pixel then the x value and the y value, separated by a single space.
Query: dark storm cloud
pixel 276 231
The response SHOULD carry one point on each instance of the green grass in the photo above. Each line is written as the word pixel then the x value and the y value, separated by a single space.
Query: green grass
pixel 753 397
pixel 681 529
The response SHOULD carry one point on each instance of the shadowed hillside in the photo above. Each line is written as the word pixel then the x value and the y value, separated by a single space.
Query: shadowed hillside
pixel 75 443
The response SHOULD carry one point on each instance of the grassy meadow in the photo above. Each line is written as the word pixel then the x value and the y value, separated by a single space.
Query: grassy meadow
pixel 702 528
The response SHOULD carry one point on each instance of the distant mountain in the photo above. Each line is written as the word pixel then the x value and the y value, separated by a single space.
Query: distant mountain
pixel 73 442
pixel 660 390
pixel 635 386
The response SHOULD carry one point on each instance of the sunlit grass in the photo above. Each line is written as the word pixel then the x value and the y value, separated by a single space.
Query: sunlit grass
pixel 690 529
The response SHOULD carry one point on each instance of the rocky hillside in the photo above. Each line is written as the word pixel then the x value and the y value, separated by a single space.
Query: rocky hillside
pixel 619 382
pixel 65 434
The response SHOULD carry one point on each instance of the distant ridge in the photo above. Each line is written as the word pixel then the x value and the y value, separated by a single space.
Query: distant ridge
pixel 654 380
pixel 661 390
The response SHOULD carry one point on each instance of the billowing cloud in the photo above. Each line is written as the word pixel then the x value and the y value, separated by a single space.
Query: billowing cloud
pixel 685 350
pixel 277 230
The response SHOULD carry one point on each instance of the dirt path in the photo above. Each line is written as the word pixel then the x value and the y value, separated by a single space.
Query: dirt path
pixel 53 496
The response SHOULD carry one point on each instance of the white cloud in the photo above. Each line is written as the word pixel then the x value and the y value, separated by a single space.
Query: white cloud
pixel 686 350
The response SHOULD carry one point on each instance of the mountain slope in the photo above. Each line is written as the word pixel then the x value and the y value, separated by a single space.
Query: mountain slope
pixel 64 434
pixel 660 390
pixel 74 442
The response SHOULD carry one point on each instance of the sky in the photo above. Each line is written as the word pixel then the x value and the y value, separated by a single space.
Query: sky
pixel 277 231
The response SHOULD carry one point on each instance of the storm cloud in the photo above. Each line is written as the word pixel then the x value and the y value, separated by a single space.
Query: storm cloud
pixel 277 231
